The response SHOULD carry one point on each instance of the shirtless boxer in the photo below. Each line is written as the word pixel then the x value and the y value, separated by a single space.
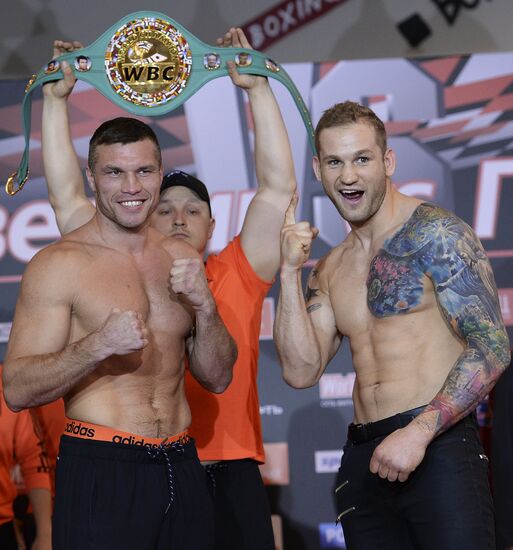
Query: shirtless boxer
pixel 226 427
pixel 104 318
pixel 413 291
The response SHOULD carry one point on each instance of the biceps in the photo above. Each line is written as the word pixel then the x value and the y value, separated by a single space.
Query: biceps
pixel 38 330
pixel 470 305
pixel 321 314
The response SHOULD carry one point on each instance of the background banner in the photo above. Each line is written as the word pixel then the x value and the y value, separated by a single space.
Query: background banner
pixel 450 120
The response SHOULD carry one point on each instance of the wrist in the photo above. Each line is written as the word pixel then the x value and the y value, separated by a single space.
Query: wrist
pixel 207 310
pixel 261 87
pixel 288 272
pixel 51 100
pixel 96 346
pixel 423 428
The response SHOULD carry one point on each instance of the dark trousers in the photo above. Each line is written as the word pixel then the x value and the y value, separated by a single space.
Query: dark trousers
pixel 502 459
pixel 8 536
pixel 444 505
pixel 119 497
pixel 242 514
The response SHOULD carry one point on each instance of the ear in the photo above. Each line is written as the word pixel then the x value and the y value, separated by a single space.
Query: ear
pixel 90 179
pixel 211 228
pixel 316 164
pixel 389 160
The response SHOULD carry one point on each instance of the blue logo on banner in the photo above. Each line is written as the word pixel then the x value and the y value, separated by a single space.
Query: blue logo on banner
pixel 331 536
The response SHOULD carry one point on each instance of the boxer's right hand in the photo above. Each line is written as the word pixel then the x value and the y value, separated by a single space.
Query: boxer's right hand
pixel 296 239
pixel 123 332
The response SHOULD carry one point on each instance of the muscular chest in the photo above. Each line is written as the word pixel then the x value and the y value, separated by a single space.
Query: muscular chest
pixel 120 282
pixel 394 284
pixel 367 289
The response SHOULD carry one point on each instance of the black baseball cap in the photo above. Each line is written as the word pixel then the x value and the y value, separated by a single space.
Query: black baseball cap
pixel 177 178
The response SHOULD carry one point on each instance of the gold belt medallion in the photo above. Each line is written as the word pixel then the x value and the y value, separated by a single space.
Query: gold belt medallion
pixel 148 62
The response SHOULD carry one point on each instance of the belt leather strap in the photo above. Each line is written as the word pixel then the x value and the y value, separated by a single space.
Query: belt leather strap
pixel 148 64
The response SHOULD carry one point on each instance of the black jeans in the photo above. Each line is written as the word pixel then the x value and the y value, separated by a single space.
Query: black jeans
pixel 444 505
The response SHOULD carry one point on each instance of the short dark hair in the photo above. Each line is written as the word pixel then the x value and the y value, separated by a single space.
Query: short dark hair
pixel 349 112
pixel 121 130
pixel 80 57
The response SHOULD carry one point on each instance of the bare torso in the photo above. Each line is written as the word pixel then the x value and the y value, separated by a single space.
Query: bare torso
pixel 141 392
pixel 385 304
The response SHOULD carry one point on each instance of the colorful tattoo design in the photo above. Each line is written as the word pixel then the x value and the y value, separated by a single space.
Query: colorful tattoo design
pixel 437 244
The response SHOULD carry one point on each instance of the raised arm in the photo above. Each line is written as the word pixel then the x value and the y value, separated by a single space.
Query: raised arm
pixel 41 364
pixel 62 170
pixel 305 333
pixel 260 235
pixel 211 350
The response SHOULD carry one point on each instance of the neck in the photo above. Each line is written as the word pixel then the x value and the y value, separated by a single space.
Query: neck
pixel 130 240
pixel 394 211
pixel 370 229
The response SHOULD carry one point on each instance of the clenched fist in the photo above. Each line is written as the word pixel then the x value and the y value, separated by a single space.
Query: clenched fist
pixel 399 454
pixel 123 332
pixel 187 280
pixel 296 238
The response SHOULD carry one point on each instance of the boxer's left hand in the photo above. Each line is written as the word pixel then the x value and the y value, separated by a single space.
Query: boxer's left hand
pixel 397 456
pixel 187 279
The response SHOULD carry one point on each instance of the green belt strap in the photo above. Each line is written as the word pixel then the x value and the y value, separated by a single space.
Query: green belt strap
pixel 149 65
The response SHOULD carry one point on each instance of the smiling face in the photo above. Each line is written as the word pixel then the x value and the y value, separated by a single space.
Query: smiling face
pixel 183 215
pixel 353 169
pixel 126 179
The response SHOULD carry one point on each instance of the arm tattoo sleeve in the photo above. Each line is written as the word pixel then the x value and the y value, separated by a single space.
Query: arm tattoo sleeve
pixel 467 296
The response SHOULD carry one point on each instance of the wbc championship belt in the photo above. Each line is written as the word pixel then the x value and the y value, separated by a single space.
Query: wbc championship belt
pixel 149 65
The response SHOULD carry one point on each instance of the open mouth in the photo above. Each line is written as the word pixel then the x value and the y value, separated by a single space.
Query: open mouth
pixel 352 196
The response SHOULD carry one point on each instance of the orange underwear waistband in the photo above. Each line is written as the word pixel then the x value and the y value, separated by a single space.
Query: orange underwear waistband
pixel 95 432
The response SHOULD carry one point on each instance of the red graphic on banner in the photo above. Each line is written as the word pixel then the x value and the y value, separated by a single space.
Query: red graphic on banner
pixel 284 18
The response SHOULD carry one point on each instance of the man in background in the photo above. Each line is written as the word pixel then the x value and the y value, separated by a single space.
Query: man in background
pixel 19 445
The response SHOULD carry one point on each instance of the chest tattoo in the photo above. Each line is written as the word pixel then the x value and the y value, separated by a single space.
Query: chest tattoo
pixel 394 285
pixel 395 282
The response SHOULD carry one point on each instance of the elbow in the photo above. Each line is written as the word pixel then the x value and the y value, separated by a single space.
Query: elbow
pixel 505 359
pixel 223 383
pixel 220 383
pixel 299 382
pixel 225 379
pixel 300 376
pixel 15 397
pixel 13 400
